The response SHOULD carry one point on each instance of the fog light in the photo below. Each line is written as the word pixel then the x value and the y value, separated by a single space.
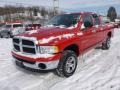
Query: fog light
pixel 42 66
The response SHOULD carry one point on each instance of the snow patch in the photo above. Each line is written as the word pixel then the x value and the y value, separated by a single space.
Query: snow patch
pixel 32 32
pixel 28 38
pixel 82 26
pixel 47 40
pixel 49 26
pixel 110 25
pixel 73 26
pixel 67 35
pixel 80 33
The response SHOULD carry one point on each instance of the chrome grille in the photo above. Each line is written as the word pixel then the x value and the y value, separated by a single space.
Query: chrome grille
pixel 26 42
pixel 24 45
pixel 16 47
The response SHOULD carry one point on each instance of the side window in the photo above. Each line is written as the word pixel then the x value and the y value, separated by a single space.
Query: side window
pixel 87 21
pixel 87 18
pixel 96 19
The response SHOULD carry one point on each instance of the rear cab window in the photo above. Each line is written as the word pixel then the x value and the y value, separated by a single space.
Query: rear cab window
pixel 96 19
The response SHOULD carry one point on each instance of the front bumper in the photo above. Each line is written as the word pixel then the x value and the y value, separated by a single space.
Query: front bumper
pixel 40 63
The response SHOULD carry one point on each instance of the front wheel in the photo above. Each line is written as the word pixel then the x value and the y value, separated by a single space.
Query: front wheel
pixel 8 35
pixel 67 64
pixel 106 45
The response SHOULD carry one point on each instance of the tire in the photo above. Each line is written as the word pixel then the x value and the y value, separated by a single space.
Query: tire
pixel 8 35
pixel 1 36
pixel 106 45
pixel 67 64
pixel 11 36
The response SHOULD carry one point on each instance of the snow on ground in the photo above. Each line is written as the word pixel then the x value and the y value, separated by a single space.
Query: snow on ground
pixel 97 70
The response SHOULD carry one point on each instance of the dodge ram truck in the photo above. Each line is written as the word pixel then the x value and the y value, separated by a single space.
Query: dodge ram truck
pixel 57 45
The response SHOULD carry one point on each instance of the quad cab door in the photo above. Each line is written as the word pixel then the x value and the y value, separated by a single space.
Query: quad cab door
pixel 99 28
pixel 88 39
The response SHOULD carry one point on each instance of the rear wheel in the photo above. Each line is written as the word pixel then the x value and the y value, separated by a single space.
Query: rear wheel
pixel 1 36
pixel 106 45
pixel 67 64
pixel 10 35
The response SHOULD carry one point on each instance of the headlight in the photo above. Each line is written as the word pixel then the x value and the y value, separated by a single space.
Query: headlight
pixel 48 49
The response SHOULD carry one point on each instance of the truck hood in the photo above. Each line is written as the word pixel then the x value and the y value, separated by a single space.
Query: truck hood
pixel 50 35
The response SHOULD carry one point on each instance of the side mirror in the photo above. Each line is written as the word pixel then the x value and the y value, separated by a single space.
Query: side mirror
pixel 88 24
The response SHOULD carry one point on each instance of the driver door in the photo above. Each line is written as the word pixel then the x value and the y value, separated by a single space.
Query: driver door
pixel 89 33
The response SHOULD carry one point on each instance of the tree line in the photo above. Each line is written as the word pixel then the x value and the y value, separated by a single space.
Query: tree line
pixel 11 13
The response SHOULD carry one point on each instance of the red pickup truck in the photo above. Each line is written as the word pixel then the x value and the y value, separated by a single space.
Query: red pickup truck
pixel 57 45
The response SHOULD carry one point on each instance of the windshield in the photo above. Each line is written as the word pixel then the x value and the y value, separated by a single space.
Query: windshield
pixel 65 20
pixel 8 26
pixel 17 25
pixel 2 25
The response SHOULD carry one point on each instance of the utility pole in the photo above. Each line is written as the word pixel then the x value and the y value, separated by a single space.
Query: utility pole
pixel 56 6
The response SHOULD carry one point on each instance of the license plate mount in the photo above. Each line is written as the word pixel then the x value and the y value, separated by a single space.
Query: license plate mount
pixel 19 63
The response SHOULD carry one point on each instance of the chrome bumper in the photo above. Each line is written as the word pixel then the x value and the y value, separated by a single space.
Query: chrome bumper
pixel 49 65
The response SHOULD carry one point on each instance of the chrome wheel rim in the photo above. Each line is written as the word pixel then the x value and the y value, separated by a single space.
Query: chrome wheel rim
pixel 70 64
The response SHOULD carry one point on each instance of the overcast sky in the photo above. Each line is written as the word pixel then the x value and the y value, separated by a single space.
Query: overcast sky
pixel 99 6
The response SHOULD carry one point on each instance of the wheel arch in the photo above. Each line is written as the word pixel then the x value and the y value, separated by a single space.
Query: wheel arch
pixel 109 34
pixel 73 47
